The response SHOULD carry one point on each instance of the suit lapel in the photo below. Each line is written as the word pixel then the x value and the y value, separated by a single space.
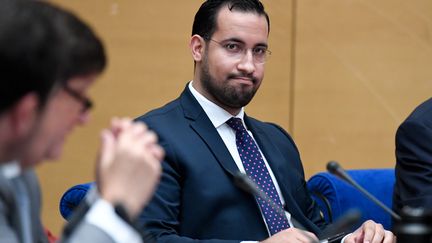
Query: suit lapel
pixel 9 197
pixel 10 202
pixel 202 125
pixel 6 193
pixel 32 183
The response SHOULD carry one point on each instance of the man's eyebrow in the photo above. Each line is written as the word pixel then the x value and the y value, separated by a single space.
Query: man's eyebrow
pixel 234 39
pixel 262 45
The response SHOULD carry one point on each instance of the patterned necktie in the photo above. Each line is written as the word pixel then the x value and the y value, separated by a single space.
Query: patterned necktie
pixel 256 169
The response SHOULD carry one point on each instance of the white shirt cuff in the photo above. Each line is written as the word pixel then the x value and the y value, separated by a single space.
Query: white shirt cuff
pixel 102 215
pixel 343 239
pixel 249 242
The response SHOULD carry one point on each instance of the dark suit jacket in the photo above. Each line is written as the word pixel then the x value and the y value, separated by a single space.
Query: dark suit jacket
pixel 413 185
pixel 197 198
pixel 10 230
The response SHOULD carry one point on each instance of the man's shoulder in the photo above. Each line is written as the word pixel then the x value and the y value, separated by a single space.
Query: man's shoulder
pixel 422 113
pixel 416 127
pixel 165 112
pixel 268 126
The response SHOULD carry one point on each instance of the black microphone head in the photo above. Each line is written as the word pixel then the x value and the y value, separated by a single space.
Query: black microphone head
pixel 333 167
pixel 243 182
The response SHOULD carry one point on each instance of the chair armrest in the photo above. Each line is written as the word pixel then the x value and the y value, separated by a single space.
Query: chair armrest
pixel 341 196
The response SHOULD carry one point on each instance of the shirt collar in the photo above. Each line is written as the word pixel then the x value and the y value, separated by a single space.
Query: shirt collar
pixel 10 169
pixel 217 115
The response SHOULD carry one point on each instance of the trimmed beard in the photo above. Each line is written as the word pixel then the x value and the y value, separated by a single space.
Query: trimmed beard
pixel 225 94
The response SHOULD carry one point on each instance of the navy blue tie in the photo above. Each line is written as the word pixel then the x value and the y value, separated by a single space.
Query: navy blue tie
pixel 256 169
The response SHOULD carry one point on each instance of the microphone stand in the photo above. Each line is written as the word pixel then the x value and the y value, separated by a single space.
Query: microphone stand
pixel 331 234
pixel 334 168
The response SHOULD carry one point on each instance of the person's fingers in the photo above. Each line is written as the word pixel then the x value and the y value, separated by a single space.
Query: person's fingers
pixel 150 138
pixel 310 236
pixel 136 133
pixel 106 148
pixel 304 236
pixel 368 231
pixel 389 237
pixel 157 151
pixel 118 125
pixel 356 236
pixel 378 234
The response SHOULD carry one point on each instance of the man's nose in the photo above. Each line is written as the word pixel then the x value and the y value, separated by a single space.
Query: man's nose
pixel 246 63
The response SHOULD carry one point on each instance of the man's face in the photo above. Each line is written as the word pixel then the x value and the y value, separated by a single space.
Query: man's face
pixel 64 110
pixel 231 80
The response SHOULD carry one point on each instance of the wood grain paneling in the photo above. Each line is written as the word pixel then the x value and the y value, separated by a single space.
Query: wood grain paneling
pixel 362 67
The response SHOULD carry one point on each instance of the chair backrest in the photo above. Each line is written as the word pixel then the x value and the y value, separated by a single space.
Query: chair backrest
pixel 335 197
pixel 72 197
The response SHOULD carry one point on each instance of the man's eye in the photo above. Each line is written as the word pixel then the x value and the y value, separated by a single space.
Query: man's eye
pixel 232 47
pixel 259 51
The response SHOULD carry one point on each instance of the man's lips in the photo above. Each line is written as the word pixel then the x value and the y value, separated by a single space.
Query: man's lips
pixel 246 80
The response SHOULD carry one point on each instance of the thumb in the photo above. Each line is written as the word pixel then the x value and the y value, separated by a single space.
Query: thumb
pixel 106 152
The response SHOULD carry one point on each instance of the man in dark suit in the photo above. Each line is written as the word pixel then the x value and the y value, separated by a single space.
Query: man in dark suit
pixel 48 61
pixel 208 139
pixel 413 186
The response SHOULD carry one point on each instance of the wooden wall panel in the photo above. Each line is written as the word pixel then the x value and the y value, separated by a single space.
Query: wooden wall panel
pixel 362 67
pixel 149 65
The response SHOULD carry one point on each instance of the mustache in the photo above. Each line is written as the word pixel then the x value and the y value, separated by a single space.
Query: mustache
pixel 250 77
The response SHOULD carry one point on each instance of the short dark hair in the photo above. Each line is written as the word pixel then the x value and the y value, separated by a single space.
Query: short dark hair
pixel 205 22
pixel 41 46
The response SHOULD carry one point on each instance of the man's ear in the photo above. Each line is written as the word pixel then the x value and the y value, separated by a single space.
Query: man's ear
pixel 197 47
pixel 24 114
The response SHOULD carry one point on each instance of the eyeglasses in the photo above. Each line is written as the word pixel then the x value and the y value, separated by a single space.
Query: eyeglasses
pixel 86 102
pixel 238 50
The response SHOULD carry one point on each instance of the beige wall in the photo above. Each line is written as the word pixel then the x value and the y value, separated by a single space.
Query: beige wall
pixel 359 68
pixel 362 66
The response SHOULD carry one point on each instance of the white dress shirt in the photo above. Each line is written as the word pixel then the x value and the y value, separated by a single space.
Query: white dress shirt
pixel 102 215
pixel 219 117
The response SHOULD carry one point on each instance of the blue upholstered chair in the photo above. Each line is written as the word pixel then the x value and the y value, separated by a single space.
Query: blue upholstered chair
pixel 334 196
pixel 72 197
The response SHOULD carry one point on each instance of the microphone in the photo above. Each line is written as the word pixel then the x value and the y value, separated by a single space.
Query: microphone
pixel 330 234
pixel 334 168
pixel 246 184
pixel 343 224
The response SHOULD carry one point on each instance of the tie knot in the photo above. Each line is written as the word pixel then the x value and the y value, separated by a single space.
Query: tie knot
pixel 236 124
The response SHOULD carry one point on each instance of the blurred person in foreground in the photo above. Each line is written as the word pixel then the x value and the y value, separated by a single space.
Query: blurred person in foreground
pixel 49 59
